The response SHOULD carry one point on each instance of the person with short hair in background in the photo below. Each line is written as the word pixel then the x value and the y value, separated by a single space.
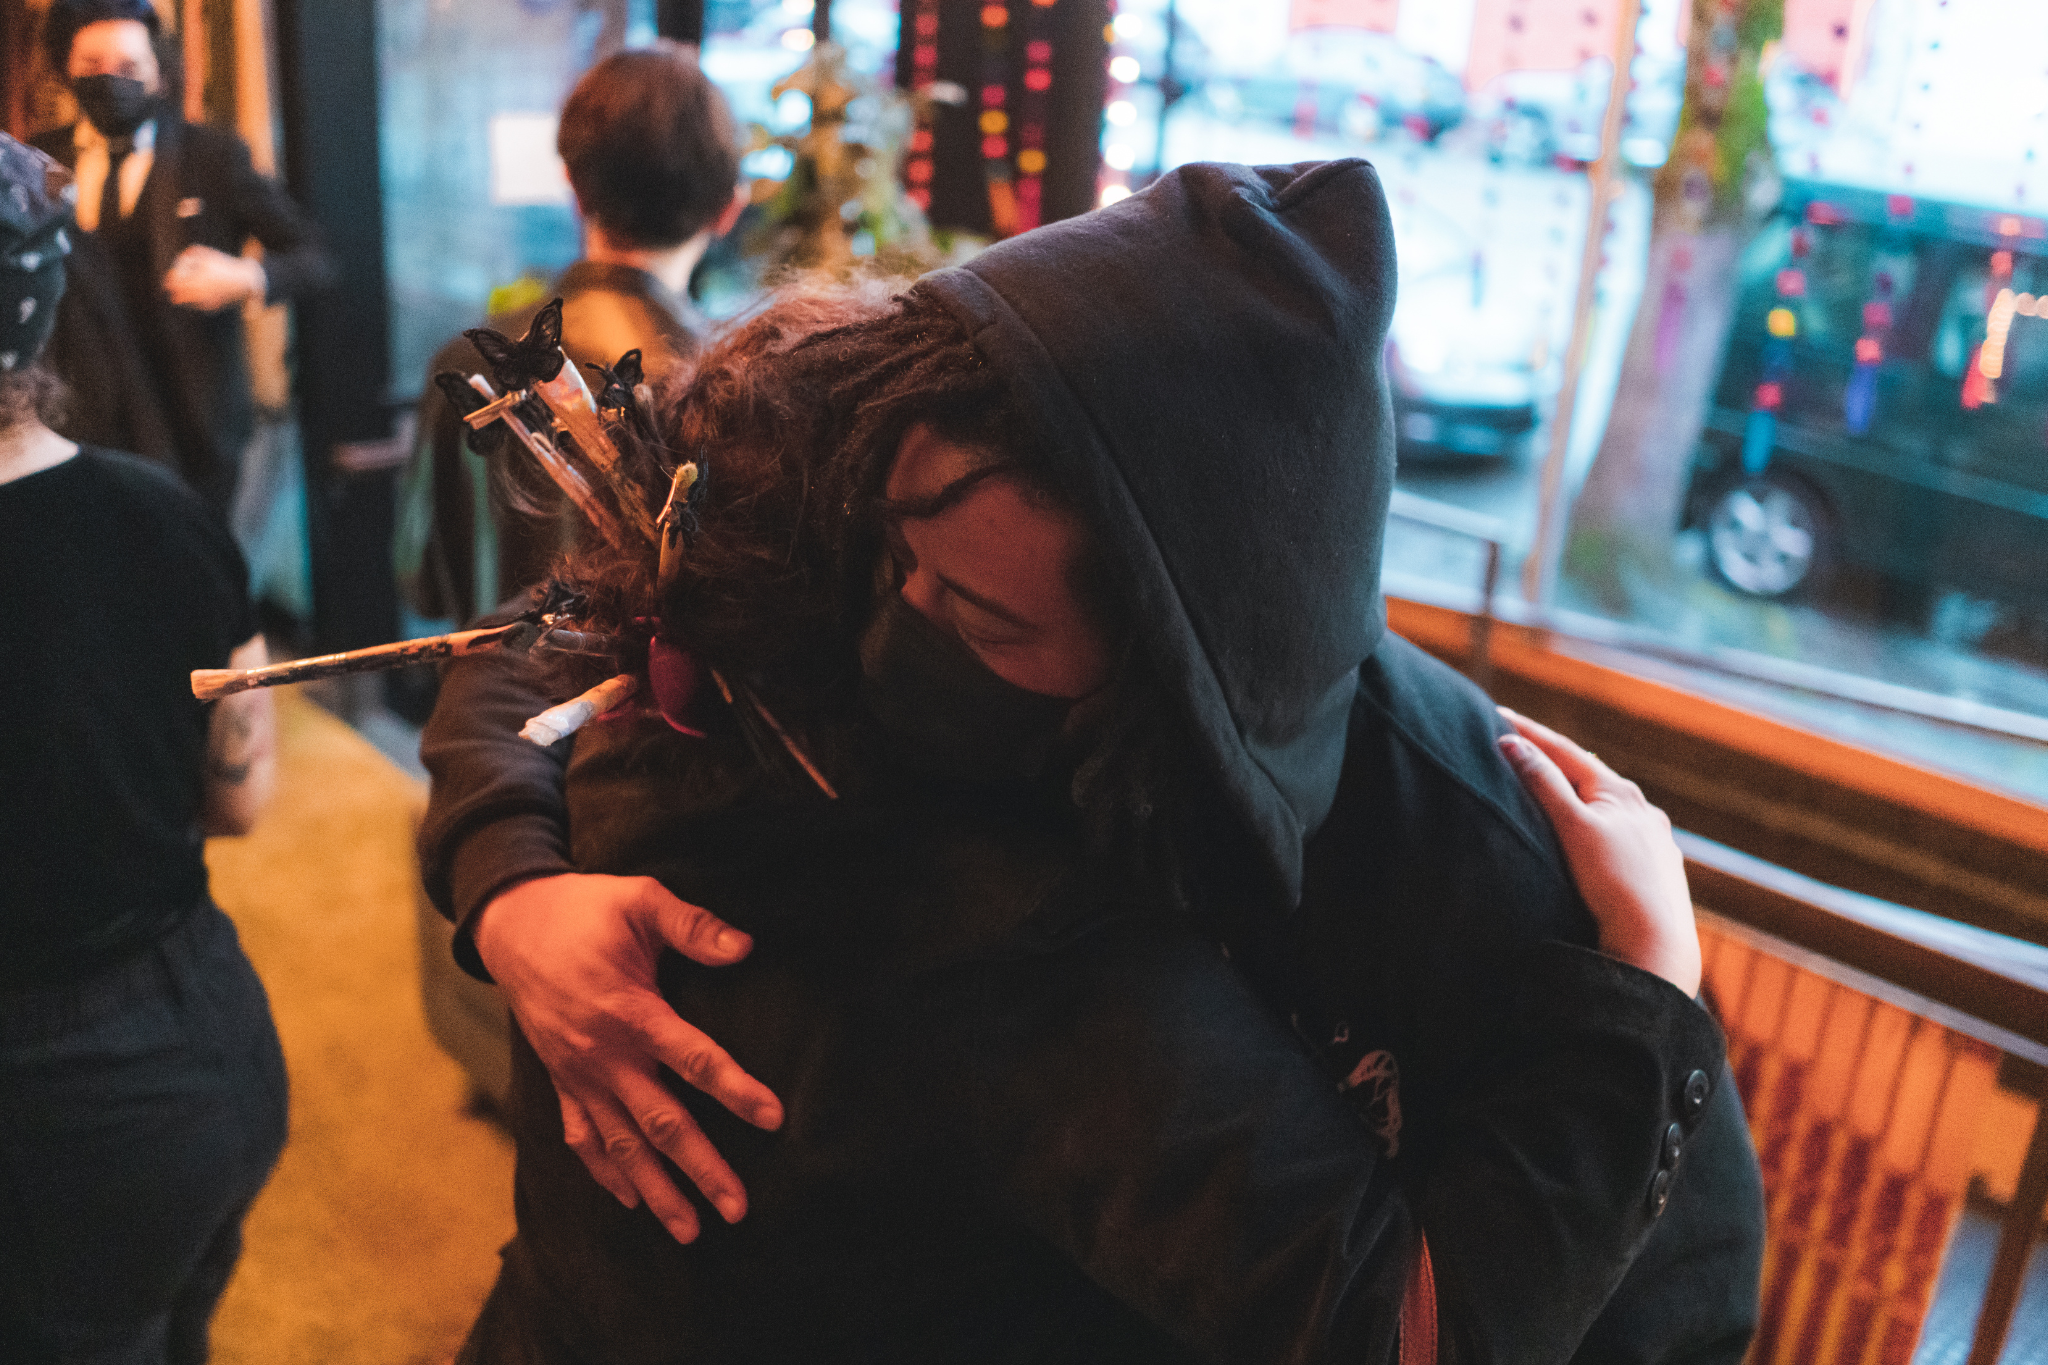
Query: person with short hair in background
pixel 143 1084
pixel 653 156
pixel 169 206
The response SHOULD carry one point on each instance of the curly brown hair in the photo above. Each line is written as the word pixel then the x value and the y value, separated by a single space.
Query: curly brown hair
pixel 796 415
pixel 34 394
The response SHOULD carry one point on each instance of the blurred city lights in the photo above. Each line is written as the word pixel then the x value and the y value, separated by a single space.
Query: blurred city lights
pixel 1119 156
pixel 1125 69
pixel 1122 113
pixel 1112 193
pixel 798 39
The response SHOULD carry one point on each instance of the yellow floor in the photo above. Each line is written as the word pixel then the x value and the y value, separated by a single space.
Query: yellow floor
pixel 377 1237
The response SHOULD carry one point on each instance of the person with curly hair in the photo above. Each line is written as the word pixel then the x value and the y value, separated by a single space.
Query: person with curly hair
pixel 1140 954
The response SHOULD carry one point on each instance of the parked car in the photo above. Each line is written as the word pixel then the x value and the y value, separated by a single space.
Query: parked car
pixel 1465 408
pixel 1466 357
pixel 1341 82
pixel 1883 401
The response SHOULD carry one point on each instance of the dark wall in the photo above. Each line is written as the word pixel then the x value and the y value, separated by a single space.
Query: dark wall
pixel 1073 135
pixel 327 58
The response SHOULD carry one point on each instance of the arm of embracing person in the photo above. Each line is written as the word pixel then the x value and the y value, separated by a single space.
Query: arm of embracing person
pixel 495 812
pixel 296 262
pixel 1133 1105
pixel 1152 1122
pixel 575 954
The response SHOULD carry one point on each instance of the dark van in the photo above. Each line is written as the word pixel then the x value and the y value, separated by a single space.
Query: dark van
pixel 1883 402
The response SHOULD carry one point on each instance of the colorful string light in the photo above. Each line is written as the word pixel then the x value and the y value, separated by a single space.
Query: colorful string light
pixel 1033 108
pixel 1124 71
pixel 995 120
pixel 1760 432
pixel 924 71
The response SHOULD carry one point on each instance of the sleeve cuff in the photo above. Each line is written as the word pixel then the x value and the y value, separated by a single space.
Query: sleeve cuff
pixel 1570 989
pixel 492 860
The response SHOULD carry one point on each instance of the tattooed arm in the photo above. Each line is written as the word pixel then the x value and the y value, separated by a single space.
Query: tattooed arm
pixel 241 751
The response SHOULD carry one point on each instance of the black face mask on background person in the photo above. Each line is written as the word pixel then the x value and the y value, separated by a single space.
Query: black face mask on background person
pixel 948 715
pixel 115 105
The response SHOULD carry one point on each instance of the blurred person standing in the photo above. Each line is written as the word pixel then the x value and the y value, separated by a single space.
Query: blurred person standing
pixel 652 154
pixel 143 1084
pixel 169 206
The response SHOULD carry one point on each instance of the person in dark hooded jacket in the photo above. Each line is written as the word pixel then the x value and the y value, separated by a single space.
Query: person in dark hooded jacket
pixel 1054 1063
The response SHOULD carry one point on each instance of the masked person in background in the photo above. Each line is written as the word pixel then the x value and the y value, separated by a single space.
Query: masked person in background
pixel 1179 955
pixel 140 1076
pixel 169 207
pixel 652 154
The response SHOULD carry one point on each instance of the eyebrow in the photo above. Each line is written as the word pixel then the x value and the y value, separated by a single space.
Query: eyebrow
pixel 893 533
pixel 993 608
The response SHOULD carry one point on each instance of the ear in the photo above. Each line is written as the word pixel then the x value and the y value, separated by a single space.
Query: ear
pixel 629 369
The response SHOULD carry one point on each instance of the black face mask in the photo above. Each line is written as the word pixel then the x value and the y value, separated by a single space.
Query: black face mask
pixel 949 715
pixel 115 105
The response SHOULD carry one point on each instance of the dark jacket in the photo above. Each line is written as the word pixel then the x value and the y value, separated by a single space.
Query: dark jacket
pixel 1201 364
pixel 1032 1121
pixel 1428 888
pixel 607 310
pixel 202 191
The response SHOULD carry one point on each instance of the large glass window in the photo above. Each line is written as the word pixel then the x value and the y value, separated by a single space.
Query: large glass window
pixel 474 199
pixel 1804 438
pixel 477 212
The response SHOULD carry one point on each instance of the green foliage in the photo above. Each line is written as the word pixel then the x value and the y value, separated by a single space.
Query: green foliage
pixel 1724 125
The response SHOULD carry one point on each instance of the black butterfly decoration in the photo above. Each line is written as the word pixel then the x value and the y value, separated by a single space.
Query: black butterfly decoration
pixel 533 359
pixel 488 441
pixel 464 398
pixel 620 379
pixel 461 396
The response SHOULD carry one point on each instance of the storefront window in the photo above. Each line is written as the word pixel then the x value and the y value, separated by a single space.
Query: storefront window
pixel 1858 497
pixel 475 204
pixel 1807 390
pixel 1480 119
pixel 749 45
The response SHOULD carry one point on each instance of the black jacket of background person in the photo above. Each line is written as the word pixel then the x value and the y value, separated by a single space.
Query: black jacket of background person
pixel 607 310
pixel 984 1065
pixel 202 190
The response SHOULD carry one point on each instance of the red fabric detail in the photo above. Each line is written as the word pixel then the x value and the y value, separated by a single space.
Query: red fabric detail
pixel 1418 1309
pixel 672 683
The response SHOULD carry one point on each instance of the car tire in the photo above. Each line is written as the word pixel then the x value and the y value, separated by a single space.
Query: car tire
pixel 1768 537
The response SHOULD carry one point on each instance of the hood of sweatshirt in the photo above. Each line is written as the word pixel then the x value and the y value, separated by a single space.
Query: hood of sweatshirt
pixel 1201 362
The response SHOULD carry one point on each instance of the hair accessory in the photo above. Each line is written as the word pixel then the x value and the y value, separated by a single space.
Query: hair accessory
pixel 678 521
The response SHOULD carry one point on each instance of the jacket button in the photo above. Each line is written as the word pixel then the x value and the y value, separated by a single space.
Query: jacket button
pixel 1674 1140
pixel 1660 1193
pixel 1697 1088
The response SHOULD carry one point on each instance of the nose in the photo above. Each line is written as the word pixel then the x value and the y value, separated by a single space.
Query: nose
pixel 921 588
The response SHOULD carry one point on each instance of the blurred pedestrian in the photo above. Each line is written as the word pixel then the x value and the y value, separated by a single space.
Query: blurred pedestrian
pixel 144 1087
pixel 169 206
pixel 653 156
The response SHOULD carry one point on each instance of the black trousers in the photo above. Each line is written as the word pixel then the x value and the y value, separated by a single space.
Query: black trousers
pixel 141 1109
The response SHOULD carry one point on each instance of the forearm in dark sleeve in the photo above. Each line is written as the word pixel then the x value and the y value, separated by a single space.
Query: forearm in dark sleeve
pixel 1153 1123
pixel 1552 1174
pixel 496 815
pixel 295 262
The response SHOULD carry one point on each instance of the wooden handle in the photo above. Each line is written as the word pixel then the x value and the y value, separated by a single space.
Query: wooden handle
pixel 211 684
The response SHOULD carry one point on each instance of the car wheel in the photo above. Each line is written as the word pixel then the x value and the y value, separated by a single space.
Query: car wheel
pixel 1766 537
